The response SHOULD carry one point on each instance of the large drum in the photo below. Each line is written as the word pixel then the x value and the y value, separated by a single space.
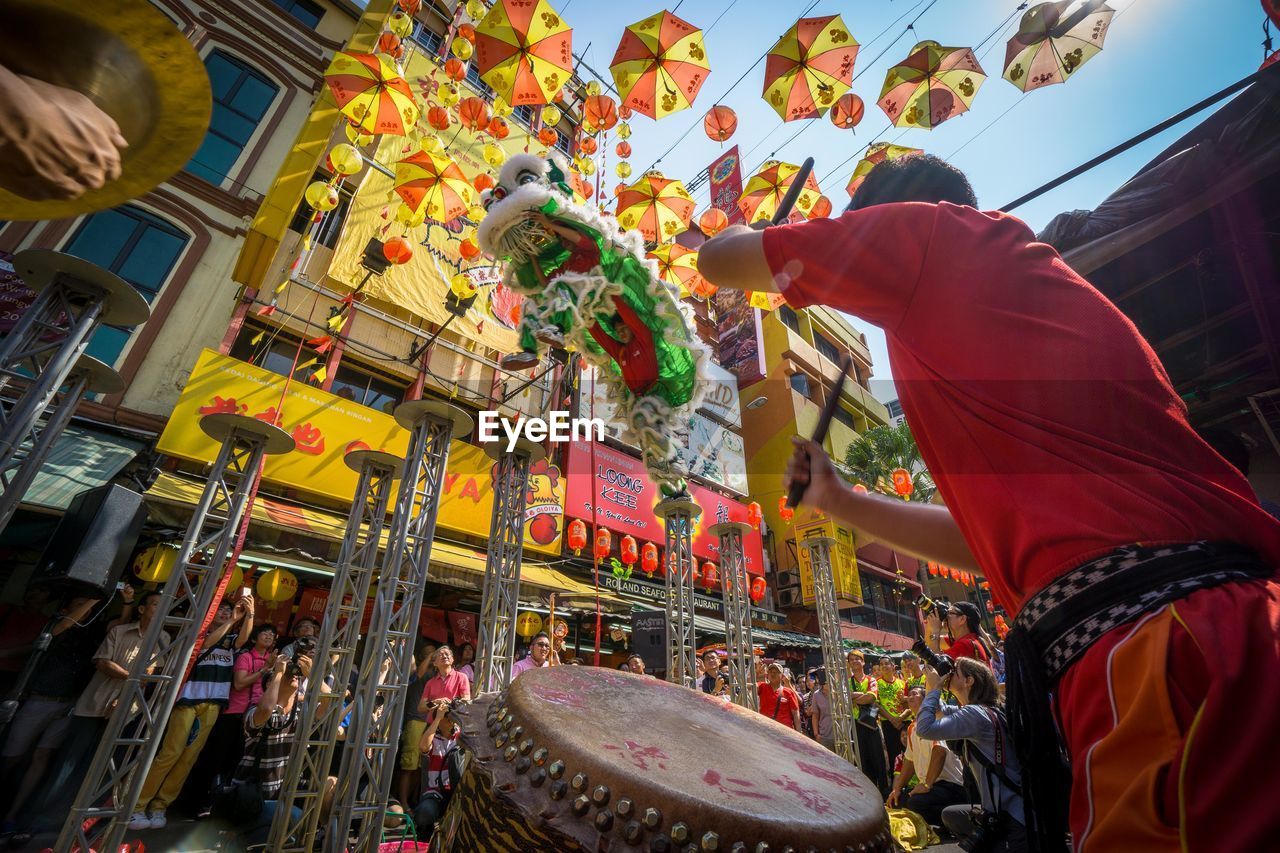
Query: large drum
pixel 578 758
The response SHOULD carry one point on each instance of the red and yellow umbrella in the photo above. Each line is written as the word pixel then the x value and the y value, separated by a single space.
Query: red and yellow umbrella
pixel 765 189
pixel 371 93
pixel 659 208
pixel 660 65
pixel 1051 44
pixel 524 51
pixel 433 184
pixel 809 67
pixel 877 153
pixel 764 300
pixel 678 265
pixel 931 85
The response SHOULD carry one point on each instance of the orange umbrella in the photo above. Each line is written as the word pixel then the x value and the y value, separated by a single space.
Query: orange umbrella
pixel 678 265
pixel 877 153
pixel 660 65
pixel 809 67
pixel 433 184
pixel 371 93
pixel 765 189
pixel 524 51
pixel 659 208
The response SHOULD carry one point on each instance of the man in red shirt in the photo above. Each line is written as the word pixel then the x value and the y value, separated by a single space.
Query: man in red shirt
pixel 779 702
pixel 1073 480
pixel 968 640
pixel 631 346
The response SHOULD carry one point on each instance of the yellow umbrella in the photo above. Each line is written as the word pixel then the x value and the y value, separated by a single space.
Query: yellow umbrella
pixel 371 93
pixel 659 208
pixel 809 67
pixel 524 51
pixel 678 265
pixel 433 184
pixel 764 300
pixel 765 189
pixel 876 154
pixel 931 85
pixel 660 65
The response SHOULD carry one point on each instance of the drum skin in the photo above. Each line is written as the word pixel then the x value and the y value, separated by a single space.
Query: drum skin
pixel 580 758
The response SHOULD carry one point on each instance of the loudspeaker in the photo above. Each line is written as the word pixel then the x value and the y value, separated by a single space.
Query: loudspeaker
pixel 94 540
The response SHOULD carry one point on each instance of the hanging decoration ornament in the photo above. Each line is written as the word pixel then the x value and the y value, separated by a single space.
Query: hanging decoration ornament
pixel 902 482
pixel 623 150
pixel 809 67
pixel 370 92
pixel 599 113
pixel 588 145
pixel 622 170
pixel 438 117
pixel 498 128
pixel 356 136
pixel 501 108
pixel 649 559
pixel 624 112
pixel 277 585
pixel 551 115
pixel 877 153
pixel 754 515
pixel 765 189
pixel 758 587
pixel 473 112
pixel 431 143
pixel 524 51
pixel 434 184
pixel 713 222
pixel 389 43
pixel 659 208
pixel 398 250
pixel 408 217
pixel 483 181
pixel 462 47
pixel 322 196
pixel 934 83
pixel 1047 49
pixel 476 9
pixel 624 131
pixel 548 137
pixel 603 543
pixel 401 24
pixel 710 575
pixel 345 159
pixel 720 122
pixel 660 65
pixel 455 69
pixel 821 208
pixel 410 7
pixel 627 550
pixel 494 155
pixel 577 536
pixel 848 111
pixel 468 32
pixel 449 95
pixel 785 511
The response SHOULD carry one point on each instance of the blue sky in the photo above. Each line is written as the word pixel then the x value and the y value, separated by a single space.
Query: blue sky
pixel 1160 56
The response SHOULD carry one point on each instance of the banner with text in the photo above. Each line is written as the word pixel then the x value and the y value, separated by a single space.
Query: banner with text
pixel 844 562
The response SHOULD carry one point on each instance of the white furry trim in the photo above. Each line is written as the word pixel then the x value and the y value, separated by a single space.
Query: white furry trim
pixel 518 163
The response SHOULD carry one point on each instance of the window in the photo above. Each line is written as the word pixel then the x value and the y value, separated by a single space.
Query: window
pixel 845 417
pixel 881 610
pixel 564 143
pixel 366 390
pixel 429 39
pixel 140 248
pixel 274 353
pixel 789 318
pixel 331 225
pixel 800 383
pixel 826 347
pixel 304 10
pixel 482 88
pixel 524 114
pixel 241 97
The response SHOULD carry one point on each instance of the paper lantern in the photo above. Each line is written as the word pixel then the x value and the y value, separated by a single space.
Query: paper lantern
pixel 345 159
pixel 821 208
pixel 449 95
pixel 398 250
pixel 649 558
pixel 551 115
pixel 713 222
pixel 627 549
pixel 409 217
pixel 902 481
pixel 438 117
pixel 847 111
pixel 234 582
pixel 455 69
pixel 410 7
pixel 476 9
pixel 499 128
pixel 494 155
pixel 528 624
pixel 617 191
pixel 710 576
pixel 483 181
pixel 624 131
pixel 599 112
pixel 468 32
pixel 859 488
pixel 431 143
pixel 476 213
pixel 462 286
pixel 473 112
pixel 785 512
pixel 622 149
pixel 155 564
pixel 593 87
pixel 400 24
pixel 548 137
pixel 321 196
pixel 754 516
pixel 501 108
pixel 277 585
pixel 622 170
pixel 758 587
pixel 577 536
pixel 468 249
pixel 604 543
pixel 588 168
pixel 720 122
pixel 625 112
pixel 389 43
pixel 587 145
pixel 703 289
pixel 463 49
pixel 933 569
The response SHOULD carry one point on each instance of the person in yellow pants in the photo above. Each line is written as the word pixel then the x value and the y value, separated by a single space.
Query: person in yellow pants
pixel 202 698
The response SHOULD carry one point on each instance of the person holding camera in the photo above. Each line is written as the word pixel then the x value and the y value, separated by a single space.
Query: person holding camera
pixel 439 744
pixel 999 823
pixel 964 628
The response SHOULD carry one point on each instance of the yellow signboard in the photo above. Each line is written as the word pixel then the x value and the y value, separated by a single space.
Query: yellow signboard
pixel 326 427
pixel 844 562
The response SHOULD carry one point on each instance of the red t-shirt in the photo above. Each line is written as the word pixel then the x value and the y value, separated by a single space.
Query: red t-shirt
pixel 1046 420
pixel 967 647
pixel 778 705
pixel 637 359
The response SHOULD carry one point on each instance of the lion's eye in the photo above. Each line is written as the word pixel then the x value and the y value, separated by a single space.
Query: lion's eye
pixel 527 177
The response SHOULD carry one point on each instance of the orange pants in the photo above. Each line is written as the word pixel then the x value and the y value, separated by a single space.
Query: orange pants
pixel 1169 723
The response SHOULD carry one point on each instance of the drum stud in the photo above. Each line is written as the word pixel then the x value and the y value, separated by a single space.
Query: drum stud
pixel 523 764
pixel 508 720
pixel 738 847
pixel 556 769
pixel 501 740
pixel 580 782
pixel 632 831
pixel 558 790
pixel 510 753
pixel 537 777
pixel 652 818
pixel 660 844
pixel 540 756
pixel 518 731
pixel 600 796
pixel 526 746
pixel 710 841
pixel 679 833
pixel 626 807
pixel 762 847
pixel 581 804
pixel 604 821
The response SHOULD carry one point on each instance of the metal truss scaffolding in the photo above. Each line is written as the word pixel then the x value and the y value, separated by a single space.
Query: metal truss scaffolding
pixel 678 516
pixel 737 614
pixel 501 598
pixel 832 648
pixel 368 754
pixel 313 747
pixel 133 734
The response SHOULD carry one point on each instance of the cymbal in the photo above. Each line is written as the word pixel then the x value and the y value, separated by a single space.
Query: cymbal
pixel 136 65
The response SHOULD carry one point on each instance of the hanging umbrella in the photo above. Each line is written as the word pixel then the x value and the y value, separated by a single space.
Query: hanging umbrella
pixel 809 67
pixel 659 208
pixel 524 51
pixel 371 93
pixel 433 184
pixel 877 153
pixel 931 85
pixel 660 65
pixel 764 300
pixel 765 189
pixel 1050 45
pixel 678 265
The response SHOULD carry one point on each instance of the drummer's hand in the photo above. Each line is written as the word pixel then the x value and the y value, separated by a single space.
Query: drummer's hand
pixel 811 466
pixel 55 143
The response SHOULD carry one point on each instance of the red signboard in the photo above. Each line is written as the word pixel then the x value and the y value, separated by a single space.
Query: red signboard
pixel 433 626
pixel 464 627
pixel 726 184
pixel 311 605
pixel 625 499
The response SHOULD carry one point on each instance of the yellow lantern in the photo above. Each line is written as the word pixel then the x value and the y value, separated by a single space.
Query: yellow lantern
pixel 234 582
pixel 432 143
pixel 321 196
pixel 551 115
pixel 593 88
pixel 623 170
pixel 449 95
pixel 400 24
pixel 355 137
pixel 462 48
pixel 346 160
pixel 408 217
pixel 155 564
pixel 501 108
pixel 277 585
pixel 528 624
pixel 588 168
pixel 494 155
pixel 476 9
pixel 624 131
pixel 462 287
pixel 476 213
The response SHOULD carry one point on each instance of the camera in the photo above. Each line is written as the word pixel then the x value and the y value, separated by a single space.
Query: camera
pixel 301 646
pixel 988 829
pixel 927 605
pixel 941 664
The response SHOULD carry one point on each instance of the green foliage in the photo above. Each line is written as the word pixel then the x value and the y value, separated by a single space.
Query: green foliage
pixel 872 458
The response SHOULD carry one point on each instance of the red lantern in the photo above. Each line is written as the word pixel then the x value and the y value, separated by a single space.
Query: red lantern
pixel 438 117
pixel 758 586
pixel 410 7
pixel 933 570
pixel 484 181
pixel 587 145
pixel 468 249
pixel 604 543
pixel 859 488
pixel 455 69
pixel 389 43
pixel 599 112
pixel 1002 628
pixel 625 112
pixel 588 191
pixel 821 208
pixel 902 481
pixel 622 149
pixel 467 32
pixel 577 535
pixel 649 558
pixel 709 575
pixel 713 222
pixel 720 122
pixel 627 545
pixel 754 515
pixel 617 191
pixel 847 112
pixel 785 512
pixel 499 128
pixel 547 136
pixel 398 250
pixel 955 574
pixel 474 113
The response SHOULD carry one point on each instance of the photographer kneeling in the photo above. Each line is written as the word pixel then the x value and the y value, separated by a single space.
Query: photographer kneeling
pixel 999 825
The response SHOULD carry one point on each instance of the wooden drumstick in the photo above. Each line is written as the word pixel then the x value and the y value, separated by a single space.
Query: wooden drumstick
pixel 793 192
pixel 796 491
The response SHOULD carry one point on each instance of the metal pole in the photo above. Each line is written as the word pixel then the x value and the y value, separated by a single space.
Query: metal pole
pixel 501 598
pixel 819 548
pixel 737 614
pixel 678 515
pixel 368 754
pixel 19 464
pixel 313 747
pixel 132 737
